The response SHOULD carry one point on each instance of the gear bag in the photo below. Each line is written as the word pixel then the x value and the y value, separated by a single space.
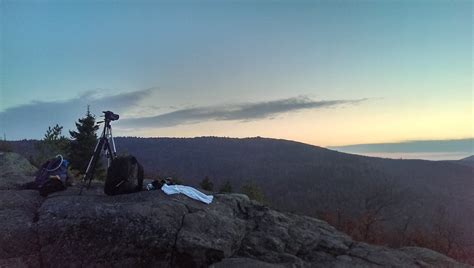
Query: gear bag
pixel 125 175
pixel 52 176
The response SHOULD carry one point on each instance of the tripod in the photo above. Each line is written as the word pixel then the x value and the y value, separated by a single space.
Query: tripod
pixel 102 144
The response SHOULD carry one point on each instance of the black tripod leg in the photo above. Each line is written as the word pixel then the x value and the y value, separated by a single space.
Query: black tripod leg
pixel 96 158
pixel 92 163
pixel 110 153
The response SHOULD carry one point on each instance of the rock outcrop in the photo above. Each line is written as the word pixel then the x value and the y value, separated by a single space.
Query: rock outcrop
pixel 152 229
pixel 14 170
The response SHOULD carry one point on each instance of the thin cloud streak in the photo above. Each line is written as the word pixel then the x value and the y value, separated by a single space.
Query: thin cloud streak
pixel 237 112
pixel 32 119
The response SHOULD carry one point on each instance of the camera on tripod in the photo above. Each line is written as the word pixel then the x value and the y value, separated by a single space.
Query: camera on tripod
pixel 110 116
pixel 105 143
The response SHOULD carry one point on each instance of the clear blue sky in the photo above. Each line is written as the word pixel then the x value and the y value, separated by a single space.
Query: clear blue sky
pixel 398 70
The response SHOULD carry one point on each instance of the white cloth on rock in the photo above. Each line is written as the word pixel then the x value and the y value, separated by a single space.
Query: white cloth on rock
pixel 188 191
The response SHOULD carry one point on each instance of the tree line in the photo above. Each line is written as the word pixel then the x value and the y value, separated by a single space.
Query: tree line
pixel 250 189
pixel 383 216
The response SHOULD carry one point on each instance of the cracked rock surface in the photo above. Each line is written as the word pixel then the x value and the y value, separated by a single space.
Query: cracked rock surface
pixel 155 230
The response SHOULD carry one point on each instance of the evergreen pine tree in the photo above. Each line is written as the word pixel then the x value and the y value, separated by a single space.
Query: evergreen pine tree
pixel 226 188
pixel 52 144
pixel 83 142
pixel 206 184
pixel 54 133
pixel 253 192
pixel 55 141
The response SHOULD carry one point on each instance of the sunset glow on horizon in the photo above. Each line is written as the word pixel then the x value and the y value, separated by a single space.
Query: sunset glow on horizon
pixel 328 73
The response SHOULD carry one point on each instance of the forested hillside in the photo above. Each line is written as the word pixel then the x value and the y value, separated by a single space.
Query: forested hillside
pixel 374 199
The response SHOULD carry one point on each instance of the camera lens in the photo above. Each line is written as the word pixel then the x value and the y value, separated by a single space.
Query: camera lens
pixel 111 116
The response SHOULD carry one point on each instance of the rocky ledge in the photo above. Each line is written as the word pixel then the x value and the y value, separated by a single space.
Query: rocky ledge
pixel 152 229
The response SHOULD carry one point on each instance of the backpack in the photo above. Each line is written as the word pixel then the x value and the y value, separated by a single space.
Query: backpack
pixel 125 175
pixel 52 176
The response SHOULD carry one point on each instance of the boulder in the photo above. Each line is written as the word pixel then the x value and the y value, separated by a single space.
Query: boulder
pixel 14 170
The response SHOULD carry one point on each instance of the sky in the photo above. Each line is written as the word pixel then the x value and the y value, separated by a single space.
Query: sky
pixel 328 73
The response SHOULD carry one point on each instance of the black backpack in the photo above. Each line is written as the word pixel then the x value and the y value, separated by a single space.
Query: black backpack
pixel 52 176
pixel 125 175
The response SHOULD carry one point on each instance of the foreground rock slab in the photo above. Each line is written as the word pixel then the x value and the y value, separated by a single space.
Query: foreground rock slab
pixel 152 229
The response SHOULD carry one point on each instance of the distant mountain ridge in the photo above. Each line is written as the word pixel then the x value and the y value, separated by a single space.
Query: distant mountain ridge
pixel 467 161
pixel 469 158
